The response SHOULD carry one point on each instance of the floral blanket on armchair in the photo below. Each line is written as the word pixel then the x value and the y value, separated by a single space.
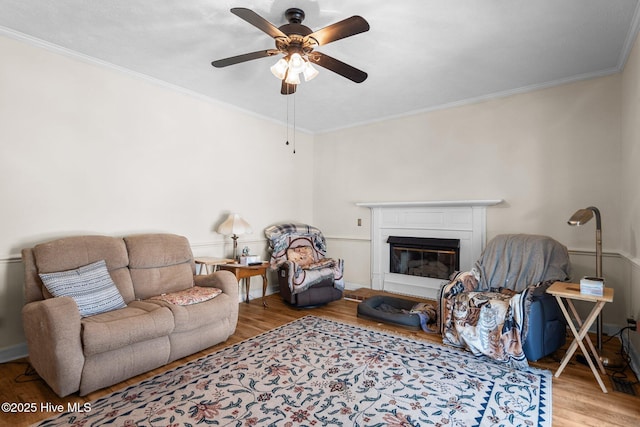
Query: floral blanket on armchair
pixel 486 309
pixel 303 249
pixel 486 323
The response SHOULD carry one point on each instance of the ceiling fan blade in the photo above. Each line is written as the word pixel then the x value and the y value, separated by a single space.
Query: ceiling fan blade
pixel 243 58
pixel 287 89
pixel 345 28
pixel 258 21
pixel 338 67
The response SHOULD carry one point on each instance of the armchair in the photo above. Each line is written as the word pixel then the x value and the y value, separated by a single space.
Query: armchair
pixel 306 276
pixel 500 308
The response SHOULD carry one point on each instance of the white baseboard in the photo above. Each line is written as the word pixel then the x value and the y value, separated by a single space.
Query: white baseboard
pixel 255 291
pixel 13 352
pixel 353 286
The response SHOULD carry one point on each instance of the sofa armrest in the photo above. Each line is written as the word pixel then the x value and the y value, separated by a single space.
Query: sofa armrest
pixel 224 280
pixel 52 328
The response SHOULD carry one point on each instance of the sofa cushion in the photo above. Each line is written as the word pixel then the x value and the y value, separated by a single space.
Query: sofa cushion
pixel 157 250
pixel 194 316
pixel 189 296
pixel 90 286
pixel 159 263
pixel 139 321
pixel 72 252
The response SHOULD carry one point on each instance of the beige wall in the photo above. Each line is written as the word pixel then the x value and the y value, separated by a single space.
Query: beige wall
pixel 546 153
pixel 630 166
pixel 630 218
pixel 88 149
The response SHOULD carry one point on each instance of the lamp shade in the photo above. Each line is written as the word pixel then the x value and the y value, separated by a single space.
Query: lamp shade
pixel 292 78
pixel 279 69
pixel 582 216
pixel 296 63
pixel 234 225
pixel 309 72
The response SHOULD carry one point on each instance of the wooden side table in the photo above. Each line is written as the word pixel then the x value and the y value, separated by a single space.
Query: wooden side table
pixel 209 264
pixel 569 292
pixel 246 272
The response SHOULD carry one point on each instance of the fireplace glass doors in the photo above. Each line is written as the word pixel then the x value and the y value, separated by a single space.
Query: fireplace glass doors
pixel 426 257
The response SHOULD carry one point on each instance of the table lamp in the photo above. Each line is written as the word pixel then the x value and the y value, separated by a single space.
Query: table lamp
pixel 234 226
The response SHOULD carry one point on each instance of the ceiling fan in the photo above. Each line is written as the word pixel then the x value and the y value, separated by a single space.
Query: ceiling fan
pixel 297 43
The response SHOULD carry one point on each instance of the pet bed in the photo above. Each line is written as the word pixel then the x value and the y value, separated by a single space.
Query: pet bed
pixel 397 311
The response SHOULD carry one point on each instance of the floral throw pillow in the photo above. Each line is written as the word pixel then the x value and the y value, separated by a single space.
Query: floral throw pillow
pixel 189 296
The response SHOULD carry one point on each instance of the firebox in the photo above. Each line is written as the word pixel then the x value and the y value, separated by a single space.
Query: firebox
pixel 425 257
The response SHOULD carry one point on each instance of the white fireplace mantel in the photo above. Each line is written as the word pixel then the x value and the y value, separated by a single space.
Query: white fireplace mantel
pixel 433 203
pixel 450 219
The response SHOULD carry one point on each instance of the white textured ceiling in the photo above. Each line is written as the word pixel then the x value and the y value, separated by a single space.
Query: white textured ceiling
pixel 419 54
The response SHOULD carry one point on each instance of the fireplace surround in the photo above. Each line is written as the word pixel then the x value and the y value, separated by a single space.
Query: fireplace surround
pixel 460 220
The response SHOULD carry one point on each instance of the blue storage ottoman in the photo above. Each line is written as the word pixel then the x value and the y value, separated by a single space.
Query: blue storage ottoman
pixel 387 309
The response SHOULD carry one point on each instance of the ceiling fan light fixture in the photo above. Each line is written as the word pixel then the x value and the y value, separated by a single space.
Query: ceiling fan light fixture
pixel 279 69
pixel 296 63
pixel 309 72
pixel 296 42
pixel 292 78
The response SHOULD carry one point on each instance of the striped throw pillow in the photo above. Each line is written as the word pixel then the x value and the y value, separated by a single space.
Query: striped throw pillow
pixel 90 286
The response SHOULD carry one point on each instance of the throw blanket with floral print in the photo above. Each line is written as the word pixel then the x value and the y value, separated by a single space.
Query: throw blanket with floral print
pixel 299 251
pixel 486 323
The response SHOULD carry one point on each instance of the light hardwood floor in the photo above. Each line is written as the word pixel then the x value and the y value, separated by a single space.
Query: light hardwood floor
pixel 577 398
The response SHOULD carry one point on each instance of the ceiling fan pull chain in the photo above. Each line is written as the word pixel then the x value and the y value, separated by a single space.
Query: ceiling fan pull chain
pixel 294 123
pixel 287 106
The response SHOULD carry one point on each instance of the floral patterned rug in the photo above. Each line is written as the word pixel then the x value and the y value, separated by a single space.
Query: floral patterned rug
pixel 319 372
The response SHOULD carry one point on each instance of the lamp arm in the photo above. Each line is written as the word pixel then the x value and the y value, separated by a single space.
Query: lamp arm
pixel 598 252
pixel 596 212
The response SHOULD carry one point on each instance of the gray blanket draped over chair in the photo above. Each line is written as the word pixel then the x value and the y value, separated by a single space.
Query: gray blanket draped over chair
pixel 517 261
pixel 486 309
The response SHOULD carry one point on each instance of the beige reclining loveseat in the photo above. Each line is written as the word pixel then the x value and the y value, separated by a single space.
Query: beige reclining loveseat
pixel 72 352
